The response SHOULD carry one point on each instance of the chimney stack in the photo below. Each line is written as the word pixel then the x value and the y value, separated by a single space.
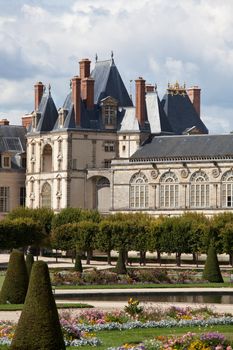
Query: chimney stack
pixel 26 121
pixel 140 101
pixel 194 94
pixel 39 90
pixel 84 68
pixel 76 96
pixel 150 88
pixel 88 92
pixel 4 122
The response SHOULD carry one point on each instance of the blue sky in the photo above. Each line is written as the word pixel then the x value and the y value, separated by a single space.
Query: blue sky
pixel 163 41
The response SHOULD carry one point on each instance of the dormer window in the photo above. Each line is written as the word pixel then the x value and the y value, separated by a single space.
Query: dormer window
pixel 62 115
pixel 109 112
pixel 6 162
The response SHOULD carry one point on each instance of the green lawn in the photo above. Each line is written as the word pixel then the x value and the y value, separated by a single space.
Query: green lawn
pixel 17 307
pixel 117 338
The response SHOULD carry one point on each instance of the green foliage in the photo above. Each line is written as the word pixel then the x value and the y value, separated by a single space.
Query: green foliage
pixel 133 308
pixel 19 233
pixel 62 237
pixel 15 285
pixel 75 215
pixel 38 327
pixel 29 263
pixel 42 215
pixel 84 235
pixel 212 271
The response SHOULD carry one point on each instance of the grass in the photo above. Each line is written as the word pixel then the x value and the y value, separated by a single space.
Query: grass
pixel 117 338
pixel 18 307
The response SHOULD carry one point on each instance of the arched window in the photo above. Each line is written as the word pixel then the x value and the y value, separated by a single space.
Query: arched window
pixel 138 196
pixel 199 190
pixel 169 189
pixel 46 196
pixel 227 189
pixel 47 159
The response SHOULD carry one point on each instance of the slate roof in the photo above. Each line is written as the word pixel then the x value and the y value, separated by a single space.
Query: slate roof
pixel 108 82
pixel 13 141
pixel 186 146
pixel 181 114
pixel 48 112
pixel 156 116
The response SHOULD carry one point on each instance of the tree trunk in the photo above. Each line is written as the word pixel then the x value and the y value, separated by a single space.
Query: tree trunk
pixel 178 259
pixel 109 259
pixel 78 263
pixel 231 259
pixel 120 266
pixel 89 254
pixel 159 257
pixel 142 259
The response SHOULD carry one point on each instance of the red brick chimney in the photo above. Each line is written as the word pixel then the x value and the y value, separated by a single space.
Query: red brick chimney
pixel 4 122
pixel 150 88
pixel 140 100
pixel 76 96
pixel 84 68
pixel 194 94
pixel 88 92
pixel 26 121
pixel 39 90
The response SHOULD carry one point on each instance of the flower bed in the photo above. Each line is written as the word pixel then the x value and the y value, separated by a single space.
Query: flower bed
pixel 134 276
pixel 188 341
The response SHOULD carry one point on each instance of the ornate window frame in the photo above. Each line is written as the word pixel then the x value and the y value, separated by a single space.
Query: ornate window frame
pixel 138 191
pixel 227 189
pixel 169 190
pixel 199 190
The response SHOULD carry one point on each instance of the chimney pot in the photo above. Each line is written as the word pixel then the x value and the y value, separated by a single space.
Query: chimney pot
pixel 88 92
pixel 76 98
pixel 39 90
pixel 4 122
pixel 140 101
pixel 150 88
pixel 84 68
pixel 194 94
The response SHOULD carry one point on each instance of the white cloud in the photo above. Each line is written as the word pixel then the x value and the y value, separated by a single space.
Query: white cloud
pixel 161 40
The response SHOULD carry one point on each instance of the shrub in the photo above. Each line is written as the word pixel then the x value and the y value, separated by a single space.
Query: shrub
pixel 29 263
pixel 38 327
pixel 212 271
pixel 15 285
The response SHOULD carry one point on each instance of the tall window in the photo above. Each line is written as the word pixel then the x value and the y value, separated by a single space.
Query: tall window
pixel 46 196
pixel 47 159
pixel 227 189
pixel 169 190
pixel 22 196
pixel 4 199
pixel 109 115
pixel 199 190
pixel 139 197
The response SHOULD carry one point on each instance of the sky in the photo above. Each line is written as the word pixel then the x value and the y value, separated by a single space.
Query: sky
pixel 163 41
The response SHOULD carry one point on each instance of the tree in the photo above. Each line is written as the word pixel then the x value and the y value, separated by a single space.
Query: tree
pixel 15 284
pixel 29 263
pixel 226 234
pixel 104 240
pixel 39 327
pixel 75 215
pixel 212 271
pixel 154 237
pixel 19 233
pixel 85 233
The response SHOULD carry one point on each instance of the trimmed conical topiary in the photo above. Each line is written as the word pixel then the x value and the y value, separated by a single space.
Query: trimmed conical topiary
pixel 78 263
pixel 212 271
pixel 39 327
pixel 29 263
pixel 15 285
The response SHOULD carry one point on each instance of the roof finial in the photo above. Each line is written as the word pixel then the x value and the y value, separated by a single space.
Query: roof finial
pixel 49 89
pixel 112 55
pixel 156 88
pixel 70 84
pixel 96 57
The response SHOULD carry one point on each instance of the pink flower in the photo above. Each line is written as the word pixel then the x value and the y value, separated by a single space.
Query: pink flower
pixel 229 347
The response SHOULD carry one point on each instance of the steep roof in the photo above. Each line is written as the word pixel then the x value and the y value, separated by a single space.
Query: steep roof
pixel 48 112
pixel 186 146
pixel 181 114
pixel 155 115
pixel 108 82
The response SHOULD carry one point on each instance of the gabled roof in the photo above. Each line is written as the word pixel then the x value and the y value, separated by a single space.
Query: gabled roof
pixel 48 112
pixel 155 115
pixel 181 113
pixel 108 82
pixel 186 146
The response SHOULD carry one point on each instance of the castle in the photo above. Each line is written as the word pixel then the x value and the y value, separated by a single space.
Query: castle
pixel 102 151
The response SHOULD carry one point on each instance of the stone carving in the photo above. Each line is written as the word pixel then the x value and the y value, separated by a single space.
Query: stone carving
pixel 154 174
pixel 216 172
pixel 184 173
